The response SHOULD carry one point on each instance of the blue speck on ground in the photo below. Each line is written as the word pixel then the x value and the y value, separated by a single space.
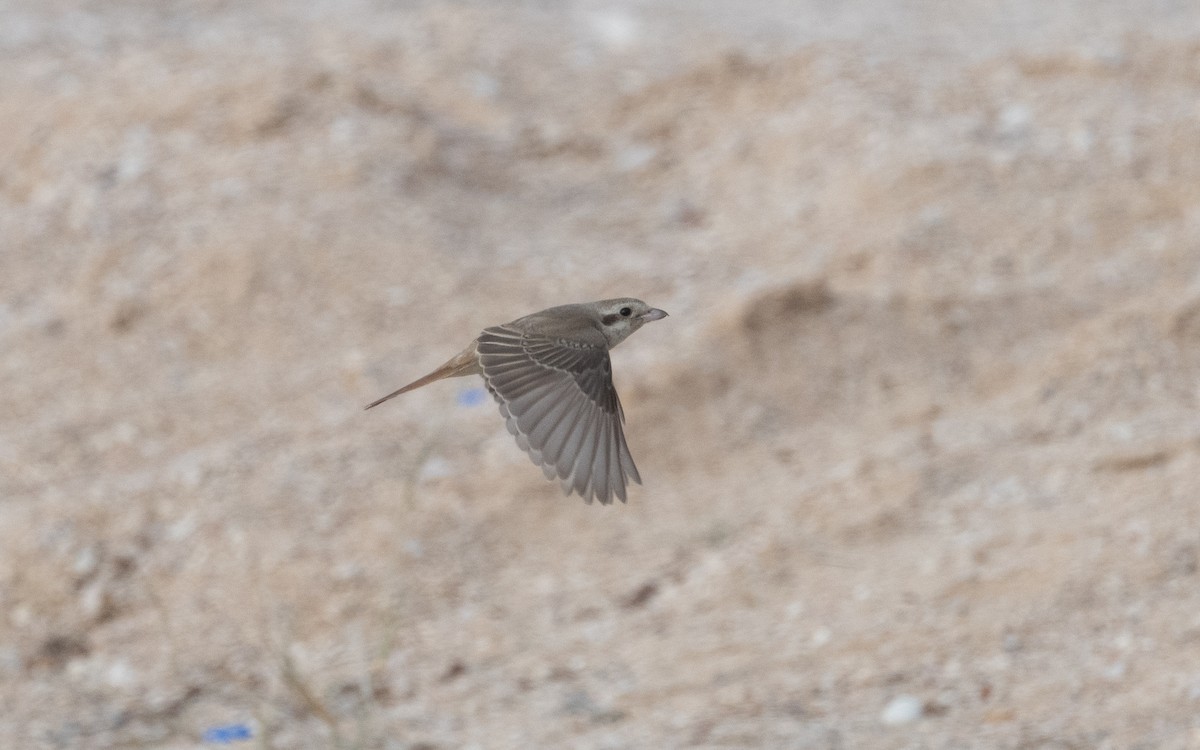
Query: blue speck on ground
pixel 228 733
pixel 472 397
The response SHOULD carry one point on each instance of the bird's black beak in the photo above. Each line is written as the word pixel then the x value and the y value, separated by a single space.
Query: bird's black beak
pixel 653 314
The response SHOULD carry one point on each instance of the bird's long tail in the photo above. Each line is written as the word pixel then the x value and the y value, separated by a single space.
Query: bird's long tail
pixel 465 362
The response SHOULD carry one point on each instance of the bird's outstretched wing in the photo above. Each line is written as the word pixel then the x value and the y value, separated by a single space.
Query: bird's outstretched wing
pixel 558 399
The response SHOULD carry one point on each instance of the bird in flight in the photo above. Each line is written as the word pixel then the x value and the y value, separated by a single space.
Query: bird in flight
pixel 552 377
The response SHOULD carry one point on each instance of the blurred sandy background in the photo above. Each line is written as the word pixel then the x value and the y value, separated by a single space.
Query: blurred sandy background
pixel 920 436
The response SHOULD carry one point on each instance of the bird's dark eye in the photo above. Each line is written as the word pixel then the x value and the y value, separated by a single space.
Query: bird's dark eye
pixel 625 312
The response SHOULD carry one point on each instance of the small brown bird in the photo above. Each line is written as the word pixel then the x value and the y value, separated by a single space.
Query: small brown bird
pixel 551 375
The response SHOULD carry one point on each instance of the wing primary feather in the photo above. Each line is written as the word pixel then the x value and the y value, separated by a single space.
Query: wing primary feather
pixel 615 468
pixel 584 478
pixel 573 441
pixel 539 433
pixel 556 440
pixel 600 463
pixel 627 463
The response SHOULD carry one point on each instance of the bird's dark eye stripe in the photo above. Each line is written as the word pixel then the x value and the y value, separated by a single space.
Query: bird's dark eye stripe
pixel 626 312
pixel 610 319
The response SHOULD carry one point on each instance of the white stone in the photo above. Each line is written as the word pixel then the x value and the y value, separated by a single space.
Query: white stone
pixel 617 29
pixel 1014 120
pixel 435 468
pixel 903 709
pixel 633 157
pixel 821 636
pixel 120 675
pixel 86 562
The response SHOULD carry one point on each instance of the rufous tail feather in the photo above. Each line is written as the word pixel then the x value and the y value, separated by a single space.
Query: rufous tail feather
pixel 463 363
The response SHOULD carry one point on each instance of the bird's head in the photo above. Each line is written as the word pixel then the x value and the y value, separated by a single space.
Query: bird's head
pixel 620 317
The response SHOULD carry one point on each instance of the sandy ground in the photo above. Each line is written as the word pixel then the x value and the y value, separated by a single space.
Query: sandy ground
pixel 919 439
